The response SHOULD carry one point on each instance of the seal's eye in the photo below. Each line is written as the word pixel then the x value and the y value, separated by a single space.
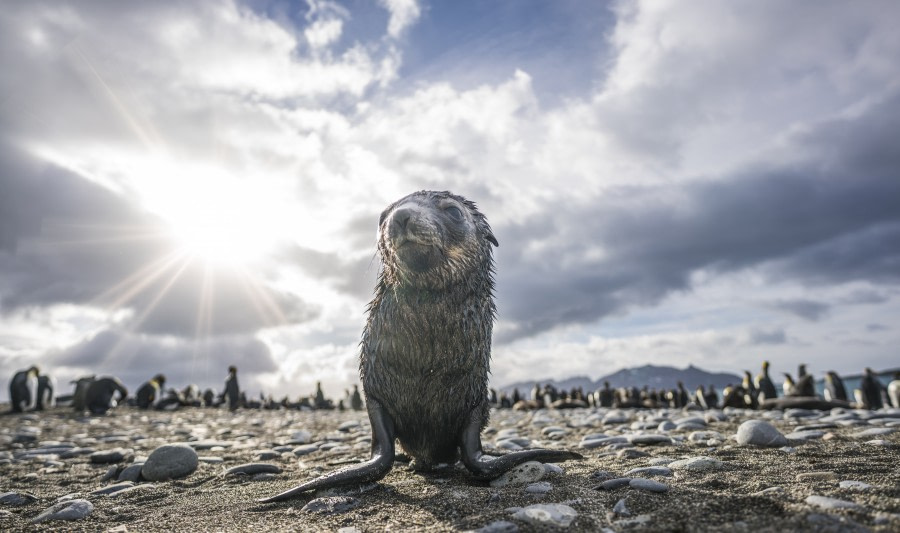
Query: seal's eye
pixel 454 213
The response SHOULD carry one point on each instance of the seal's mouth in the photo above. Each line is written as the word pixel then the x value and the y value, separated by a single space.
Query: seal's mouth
pixel 417 256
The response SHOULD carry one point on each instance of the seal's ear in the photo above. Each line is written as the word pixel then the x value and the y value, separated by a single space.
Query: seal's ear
pixel 490 237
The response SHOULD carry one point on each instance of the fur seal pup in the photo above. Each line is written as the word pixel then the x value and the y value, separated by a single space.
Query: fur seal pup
pixel 426 346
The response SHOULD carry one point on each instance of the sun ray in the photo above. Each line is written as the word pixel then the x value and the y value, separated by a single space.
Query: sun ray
pixel 138 281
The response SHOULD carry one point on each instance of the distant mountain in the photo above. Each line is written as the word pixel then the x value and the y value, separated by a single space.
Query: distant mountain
pixel 655 377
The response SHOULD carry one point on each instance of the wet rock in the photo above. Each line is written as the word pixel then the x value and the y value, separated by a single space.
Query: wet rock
pixel 331 505
pixel 68 510
pixel 170 461
pixel 552 514
pixel 760 433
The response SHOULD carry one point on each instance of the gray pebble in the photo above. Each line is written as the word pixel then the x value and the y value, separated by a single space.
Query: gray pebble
pixel 832 504
pixel 250 469
pixel 131 472
pixel 854 485
pixel 620 509
pixel 68 510
pixel 520 475
pixel 648 485
pixel 760 433
pixel 873 432
pixel 649 440
pixel 698 463
pixel 208 459
pixel 810 434
pixel 331 505
pixel 266 455
pixel 552 514
pixel 541 487
pixel 110 489
pixel 301 437
pixel 170 461
pixel 631 453
pixel 305 449
pixel 613 484
pixel 650 471
pixel 551 468
pixel 16 499
pixel 110 456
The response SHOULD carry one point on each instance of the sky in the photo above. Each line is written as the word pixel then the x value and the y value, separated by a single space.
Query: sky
pixel 186 185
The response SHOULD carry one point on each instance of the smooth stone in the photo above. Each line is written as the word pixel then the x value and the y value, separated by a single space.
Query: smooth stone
pixel 331 505
pixel 878 442
pixel 16 499
pixel 110 456
pixel 760 433
pixel 210 444
pixel 301 437
pixel 854 485
pixel 690 420
pixel 620 509
pixel 551 468
pixel 266 455
pixel 541 487
pixel 631 453
pixel 68 510
pixel 873 432
pixel 615 483
pixel 552 514
pixel 520 475
pixel 131 472
pixel 305 449
pixel 698 463
pixel 810 434
pixel 770 490
pixel 832 504
pixel 212 460
pixel 508 445
pixel 648 485
pixel 596 443
pixel 816 476
pixel 250 469
pixel 110 473
pixel 499 526
pixel 702 436
pixel 170 461
pixel 665 425
pixel 649 440
pixel 112 489
pixel 650 471
pixel 350 424
pixel 660 461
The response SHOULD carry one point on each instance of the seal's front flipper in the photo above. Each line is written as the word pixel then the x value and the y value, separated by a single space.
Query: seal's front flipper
pixel 372 470
pixel 476 461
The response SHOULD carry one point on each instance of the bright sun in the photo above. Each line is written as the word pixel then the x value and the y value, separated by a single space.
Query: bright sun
pixel 221 220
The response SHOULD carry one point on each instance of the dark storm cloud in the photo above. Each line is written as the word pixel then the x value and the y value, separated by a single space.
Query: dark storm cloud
pixel 79 243
pixel 136 358
pixel 805 309
pixel 759 337
pixel 832 215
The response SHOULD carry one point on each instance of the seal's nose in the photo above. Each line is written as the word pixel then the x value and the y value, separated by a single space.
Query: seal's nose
pixel 400 219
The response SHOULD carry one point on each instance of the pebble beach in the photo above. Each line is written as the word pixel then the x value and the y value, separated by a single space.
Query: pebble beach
pixel 643 470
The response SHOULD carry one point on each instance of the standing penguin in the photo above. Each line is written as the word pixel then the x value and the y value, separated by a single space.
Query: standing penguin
pixel 20 389
pixel 871 390
pixel 805 384
pixel 765 385
pixel 790 389
pixel 751 394
pixel 45 396
pixel 834 387
pixel 894 390
pixel 232 392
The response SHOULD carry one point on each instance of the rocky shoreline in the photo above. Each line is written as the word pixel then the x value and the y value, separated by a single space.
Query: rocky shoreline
pixel 643 470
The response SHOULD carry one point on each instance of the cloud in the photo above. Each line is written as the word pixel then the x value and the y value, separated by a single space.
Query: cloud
pixel 404 13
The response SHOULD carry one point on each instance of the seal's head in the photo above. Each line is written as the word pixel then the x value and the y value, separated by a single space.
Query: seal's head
pixel 433 239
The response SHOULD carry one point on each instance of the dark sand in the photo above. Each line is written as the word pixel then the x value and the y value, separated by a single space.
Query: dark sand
pixel 449 500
